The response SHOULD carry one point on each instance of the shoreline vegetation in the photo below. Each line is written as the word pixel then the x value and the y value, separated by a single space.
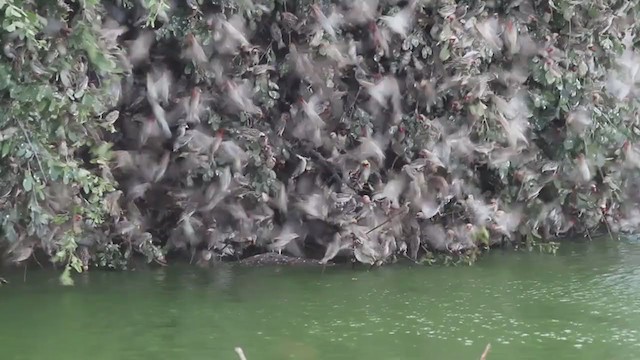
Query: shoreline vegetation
pixel 368 130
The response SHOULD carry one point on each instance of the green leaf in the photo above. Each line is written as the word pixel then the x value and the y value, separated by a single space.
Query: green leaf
pixel 12 27
pixel 40 195
pixel 65 277
pixel 27 182
pixel 6 148
pixel 76 264
pixel 444 53
pixel 10 12
pixel 549 78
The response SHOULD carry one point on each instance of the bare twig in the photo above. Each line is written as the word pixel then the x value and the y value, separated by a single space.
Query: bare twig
pixel 33 148
pixel 240 353
pixel 486 352
pixel 399 213
pixel 266 51
pixel 353 105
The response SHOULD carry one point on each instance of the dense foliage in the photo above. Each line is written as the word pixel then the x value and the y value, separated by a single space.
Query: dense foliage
pixel 371 128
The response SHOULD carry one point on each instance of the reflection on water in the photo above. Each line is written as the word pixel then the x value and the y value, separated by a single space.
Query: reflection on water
pixel 583 303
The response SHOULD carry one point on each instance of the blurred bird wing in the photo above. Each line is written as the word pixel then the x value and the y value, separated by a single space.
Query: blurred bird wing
pixel 281 199
pixel 362 11
pixel 385 88
pixel 139 48
pixel 435 235
pixel 372 148
pixel 511 219
pixel 161 119
pixel 481 211
pixel 224 179
pixel 237 211
pixel 400 23
pixel 315 206
pixel 159 85
pixel 429 209
pixel 392 190
pixel 366 84
pixel 502 106
pixel 245 87
pixel 489 30
pixel 232 150
pixel 335 19
pixel 315 103
pixel 286 234
pixel 237 21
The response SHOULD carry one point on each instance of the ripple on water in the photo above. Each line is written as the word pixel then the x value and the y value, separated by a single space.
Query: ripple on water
pixel 570 301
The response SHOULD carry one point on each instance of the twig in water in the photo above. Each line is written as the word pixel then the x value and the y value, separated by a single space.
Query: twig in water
pixel 37 262
pixel 486 352
pixel 606 223
pixel 413 261
pixel 240 353
pixel 588 234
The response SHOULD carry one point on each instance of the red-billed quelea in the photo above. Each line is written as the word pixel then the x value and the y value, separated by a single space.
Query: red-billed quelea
pixel 193 51
pixel 401 22
pixel 329 23
pixel 239 97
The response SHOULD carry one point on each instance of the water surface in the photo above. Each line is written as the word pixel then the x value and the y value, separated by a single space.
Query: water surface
pixel 583 303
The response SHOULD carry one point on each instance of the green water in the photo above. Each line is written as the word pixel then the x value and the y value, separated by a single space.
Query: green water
pixel 583 303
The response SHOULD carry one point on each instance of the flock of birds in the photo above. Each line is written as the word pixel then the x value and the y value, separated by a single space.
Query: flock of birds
pixel 222 152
